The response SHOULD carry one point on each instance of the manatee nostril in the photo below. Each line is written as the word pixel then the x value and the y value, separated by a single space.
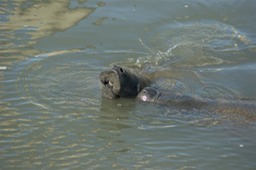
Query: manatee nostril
pixel 145 91
pixel 121 70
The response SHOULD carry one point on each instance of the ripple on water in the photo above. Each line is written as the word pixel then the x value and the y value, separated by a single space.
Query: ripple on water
pixel 56 81
pixel 45 97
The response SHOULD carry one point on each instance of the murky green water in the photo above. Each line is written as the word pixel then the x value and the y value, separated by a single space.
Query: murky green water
pixel 53 115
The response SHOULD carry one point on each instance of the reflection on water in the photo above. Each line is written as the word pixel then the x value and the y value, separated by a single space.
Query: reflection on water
pixel 53 115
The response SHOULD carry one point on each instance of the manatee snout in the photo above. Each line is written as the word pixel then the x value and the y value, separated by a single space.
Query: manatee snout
pixel 111 82
pixel 147 94
pixel 122 82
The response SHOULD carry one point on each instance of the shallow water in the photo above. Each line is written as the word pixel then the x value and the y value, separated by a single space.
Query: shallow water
pixel 52 112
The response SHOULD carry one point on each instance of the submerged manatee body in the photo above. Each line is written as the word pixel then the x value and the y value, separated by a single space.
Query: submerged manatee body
pixel 122 82
pixel 189 102
pixel 150 94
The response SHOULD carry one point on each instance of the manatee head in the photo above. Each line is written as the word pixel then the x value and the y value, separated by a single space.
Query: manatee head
pixel 122 82
pixel 148 94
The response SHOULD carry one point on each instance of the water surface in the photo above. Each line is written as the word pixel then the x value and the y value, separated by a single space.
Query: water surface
pixel 52 112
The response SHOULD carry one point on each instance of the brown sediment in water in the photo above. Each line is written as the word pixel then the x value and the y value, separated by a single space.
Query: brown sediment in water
pixel 45 18
pixel 32 22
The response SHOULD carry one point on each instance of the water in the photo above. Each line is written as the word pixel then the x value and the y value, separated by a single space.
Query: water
pixel 52 112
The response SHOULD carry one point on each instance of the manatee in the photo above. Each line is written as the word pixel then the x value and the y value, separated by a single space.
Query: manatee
pixel 122 82
pixel 150 94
